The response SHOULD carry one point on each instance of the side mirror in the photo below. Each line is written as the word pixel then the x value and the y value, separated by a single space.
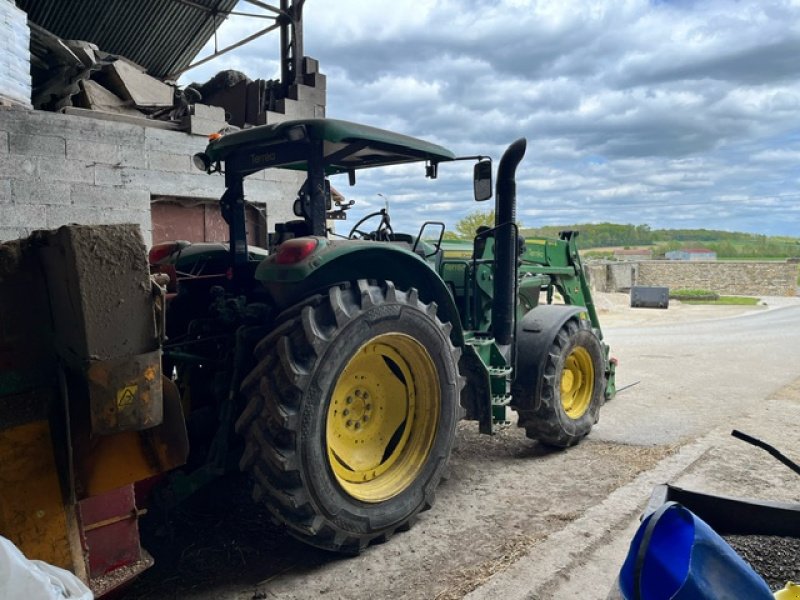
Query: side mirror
pixel 482 180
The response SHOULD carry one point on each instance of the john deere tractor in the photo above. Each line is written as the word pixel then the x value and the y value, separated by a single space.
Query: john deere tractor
pixel 337 368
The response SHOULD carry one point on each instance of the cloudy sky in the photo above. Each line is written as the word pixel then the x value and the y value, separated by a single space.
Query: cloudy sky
pixel 680 113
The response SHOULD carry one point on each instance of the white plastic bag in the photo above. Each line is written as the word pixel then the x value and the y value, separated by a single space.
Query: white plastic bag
pixel 23 579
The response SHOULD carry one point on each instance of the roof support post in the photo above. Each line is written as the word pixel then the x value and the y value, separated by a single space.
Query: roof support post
pixel 232 207
pixel 291 43
pixel 316 188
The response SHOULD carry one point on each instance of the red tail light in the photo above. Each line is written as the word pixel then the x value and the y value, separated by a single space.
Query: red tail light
pixel 161 251
pixel 293 251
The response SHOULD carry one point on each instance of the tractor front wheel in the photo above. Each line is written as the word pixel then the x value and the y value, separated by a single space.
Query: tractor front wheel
pixel 572 388
pixel 351 414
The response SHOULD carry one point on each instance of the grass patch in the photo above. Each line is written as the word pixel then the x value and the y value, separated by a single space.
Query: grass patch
pixel 730 300
pixel 692 294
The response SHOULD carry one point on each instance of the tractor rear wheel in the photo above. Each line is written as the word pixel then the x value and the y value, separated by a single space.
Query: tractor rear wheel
pixel 573 384
pixel 351 414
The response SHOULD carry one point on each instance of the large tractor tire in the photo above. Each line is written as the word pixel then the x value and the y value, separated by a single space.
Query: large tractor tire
pixel 572 387
pixel 351 414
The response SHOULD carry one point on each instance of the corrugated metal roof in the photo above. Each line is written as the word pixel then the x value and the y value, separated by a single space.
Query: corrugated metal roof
pixel 161 35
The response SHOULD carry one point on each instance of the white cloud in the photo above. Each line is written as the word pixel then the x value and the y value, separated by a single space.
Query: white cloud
pixel 635 111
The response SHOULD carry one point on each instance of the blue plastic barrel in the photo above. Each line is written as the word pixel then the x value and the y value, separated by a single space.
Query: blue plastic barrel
pixel 675 555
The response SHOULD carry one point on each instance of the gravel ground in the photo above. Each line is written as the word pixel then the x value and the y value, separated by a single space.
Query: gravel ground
pixel 773 557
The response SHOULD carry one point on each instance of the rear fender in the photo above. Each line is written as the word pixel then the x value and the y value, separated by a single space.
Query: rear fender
pixel 535 334
pixel 335 262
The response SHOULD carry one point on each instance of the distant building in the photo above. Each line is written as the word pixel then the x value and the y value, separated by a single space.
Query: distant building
pixel 691 254
pixel 633 254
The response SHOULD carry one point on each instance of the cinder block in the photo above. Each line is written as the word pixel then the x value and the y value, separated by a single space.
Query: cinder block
pixel 112 198
pixel 206 111
pixel 96 130
pixel 310 65
pixel 39 192
pixel 294 109
pixel 37 145
pixel 63 215
pixel 307 94
pixel 194 184
pixel 108 175
pixel 18 120
pixel 17 167
pixel 61 169
pixel 163 161
pixel 5 191
pixel 13 233
pixel 199 126
pixel 132 156
pixel 316 80
pixel 271 117
pixel 30 216
pixel 95 152
pixel 175 142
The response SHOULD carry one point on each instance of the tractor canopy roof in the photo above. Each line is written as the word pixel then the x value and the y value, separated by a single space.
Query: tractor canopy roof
pixel 345 147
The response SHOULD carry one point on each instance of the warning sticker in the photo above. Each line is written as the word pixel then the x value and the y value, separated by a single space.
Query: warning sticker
pixel 126 396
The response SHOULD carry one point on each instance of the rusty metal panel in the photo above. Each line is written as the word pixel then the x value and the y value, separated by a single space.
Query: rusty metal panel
pixel 125 393
pixel 104 463
pixel 161 35
pixel 110 525
pixel 177 221
pixel 197 221
pixel 216 229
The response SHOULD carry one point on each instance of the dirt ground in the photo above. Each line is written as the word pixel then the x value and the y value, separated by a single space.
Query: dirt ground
pixel 505 494
pixel 221 545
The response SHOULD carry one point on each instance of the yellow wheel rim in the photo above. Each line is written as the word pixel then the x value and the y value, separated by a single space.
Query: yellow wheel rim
pixel 577 383
pixel 382 418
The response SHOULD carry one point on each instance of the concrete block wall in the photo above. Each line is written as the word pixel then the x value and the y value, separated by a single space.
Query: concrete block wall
pixel 57 169
pixel 611 277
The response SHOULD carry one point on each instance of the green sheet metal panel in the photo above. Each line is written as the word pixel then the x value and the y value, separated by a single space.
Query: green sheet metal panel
pixel 380 147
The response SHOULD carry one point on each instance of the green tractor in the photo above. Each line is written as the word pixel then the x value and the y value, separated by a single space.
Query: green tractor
pixel 336 369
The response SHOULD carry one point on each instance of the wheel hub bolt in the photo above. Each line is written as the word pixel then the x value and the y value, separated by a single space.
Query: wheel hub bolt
pixel 349 400
pixel 346 412
pixel 358 425
pixel 349 423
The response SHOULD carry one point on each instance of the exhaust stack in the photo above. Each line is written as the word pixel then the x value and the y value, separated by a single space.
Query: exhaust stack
pixel 505 276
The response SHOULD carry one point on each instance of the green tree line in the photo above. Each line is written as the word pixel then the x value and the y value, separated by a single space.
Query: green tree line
pixel 727 244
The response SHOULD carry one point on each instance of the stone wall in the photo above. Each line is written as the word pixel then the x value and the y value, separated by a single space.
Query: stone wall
pixel 740 278
pixel 736 278
pixel 57 169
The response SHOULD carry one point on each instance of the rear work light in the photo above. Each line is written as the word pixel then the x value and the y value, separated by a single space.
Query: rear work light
pixel 293 251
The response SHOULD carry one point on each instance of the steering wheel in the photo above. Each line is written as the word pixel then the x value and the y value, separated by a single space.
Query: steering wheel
pixel 382 233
